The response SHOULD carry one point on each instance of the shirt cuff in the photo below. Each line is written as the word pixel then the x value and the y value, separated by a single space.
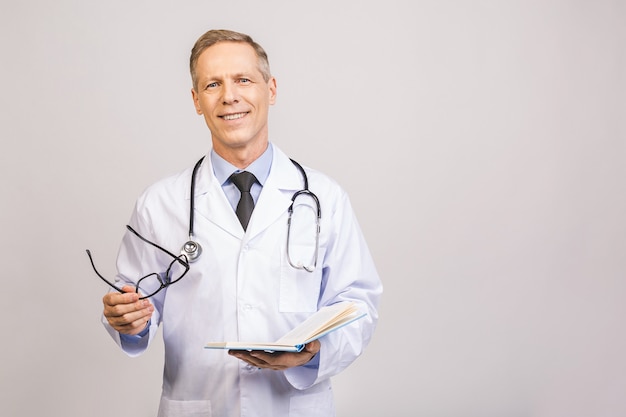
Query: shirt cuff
pixel 134 339
pixel 303 377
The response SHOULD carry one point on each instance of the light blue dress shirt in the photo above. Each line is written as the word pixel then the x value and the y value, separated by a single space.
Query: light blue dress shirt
pixel 223 170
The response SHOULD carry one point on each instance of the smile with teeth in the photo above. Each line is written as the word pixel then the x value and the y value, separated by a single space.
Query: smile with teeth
pixel 233 116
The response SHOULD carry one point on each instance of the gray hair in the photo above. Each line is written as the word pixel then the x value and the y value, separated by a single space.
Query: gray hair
pixel 212 37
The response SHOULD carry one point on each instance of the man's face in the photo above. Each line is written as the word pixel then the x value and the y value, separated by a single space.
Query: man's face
pixel 233 97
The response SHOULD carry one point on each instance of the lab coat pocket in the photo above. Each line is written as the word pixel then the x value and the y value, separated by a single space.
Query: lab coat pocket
pixel 316 404
pixel 173 408
pixel 299 288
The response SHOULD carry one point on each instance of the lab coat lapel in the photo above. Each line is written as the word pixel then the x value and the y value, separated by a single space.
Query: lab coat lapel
pixel 275 198
pixel 212 204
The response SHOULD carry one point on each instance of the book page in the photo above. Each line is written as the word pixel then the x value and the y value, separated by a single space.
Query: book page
pixel 326 318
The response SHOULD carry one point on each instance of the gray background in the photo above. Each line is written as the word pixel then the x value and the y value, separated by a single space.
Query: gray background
pixel 496 127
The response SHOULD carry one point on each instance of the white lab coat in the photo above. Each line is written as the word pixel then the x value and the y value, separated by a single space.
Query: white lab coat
pixel 242 288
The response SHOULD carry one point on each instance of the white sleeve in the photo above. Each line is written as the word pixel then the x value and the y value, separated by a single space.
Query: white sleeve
pixel 349 274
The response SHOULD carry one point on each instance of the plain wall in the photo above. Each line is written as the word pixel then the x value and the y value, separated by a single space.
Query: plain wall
pixel 482 144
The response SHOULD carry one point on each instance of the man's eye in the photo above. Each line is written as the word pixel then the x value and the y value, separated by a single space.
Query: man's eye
pixel 244 80
pixel 211 85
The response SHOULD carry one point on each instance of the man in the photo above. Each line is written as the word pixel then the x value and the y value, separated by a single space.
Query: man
pixel 249 283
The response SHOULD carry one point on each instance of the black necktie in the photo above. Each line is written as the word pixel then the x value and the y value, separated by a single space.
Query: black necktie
pixel 244 181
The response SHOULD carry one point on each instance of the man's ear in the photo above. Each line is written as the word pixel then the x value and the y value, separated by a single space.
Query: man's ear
pixel 272 90
pixel 194 96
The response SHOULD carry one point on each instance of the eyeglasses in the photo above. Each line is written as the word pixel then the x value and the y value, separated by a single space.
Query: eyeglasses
pixel 152 283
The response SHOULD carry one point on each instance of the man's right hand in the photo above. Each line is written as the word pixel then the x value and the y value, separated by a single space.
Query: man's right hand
pixel 125 312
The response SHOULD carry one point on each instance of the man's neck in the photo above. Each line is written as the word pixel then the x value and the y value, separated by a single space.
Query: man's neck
pixel 243 156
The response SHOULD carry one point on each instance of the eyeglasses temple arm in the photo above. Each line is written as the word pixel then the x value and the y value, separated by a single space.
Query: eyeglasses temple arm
pixel 100 275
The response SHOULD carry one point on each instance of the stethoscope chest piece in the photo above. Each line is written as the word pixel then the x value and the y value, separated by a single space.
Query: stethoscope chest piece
pixel 191 250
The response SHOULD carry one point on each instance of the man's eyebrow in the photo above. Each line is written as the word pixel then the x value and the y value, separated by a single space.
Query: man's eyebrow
pixel 203 78
pixel 242 74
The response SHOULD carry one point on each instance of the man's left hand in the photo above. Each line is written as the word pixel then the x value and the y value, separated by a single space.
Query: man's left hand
pixel 278 361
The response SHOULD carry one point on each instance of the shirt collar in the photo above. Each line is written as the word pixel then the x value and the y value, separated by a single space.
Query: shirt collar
pixel 260 167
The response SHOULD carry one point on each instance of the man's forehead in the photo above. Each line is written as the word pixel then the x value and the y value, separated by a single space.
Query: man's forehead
pixel 229 51
pixel 231 57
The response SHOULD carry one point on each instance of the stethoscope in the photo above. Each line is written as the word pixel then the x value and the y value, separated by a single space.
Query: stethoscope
pixel 192 249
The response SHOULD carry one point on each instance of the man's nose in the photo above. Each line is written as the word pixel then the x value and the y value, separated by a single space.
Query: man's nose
pixel 230 94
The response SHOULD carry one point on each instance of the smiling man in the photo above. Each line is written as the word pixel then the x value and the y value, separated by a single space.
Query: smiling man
pixel 233 94
pixel 265 264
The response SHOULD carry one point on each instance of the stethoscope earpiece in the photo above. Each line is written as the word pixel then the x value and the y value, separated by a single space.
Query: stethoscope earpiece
pixel 191 250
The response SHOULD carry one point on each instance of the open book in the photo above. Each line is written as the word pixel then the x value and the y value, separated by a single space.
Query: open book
pixel 326 320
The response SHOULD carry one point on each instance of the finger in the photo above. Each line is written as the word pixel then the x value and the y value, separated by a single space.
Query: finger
pixel 114 298
pixel 285 360
pixel 132 328
pixel 116 304
pixel 313 347
pixel 131 323
pixel 129 311
pixel 138 324
pixel 264 357
pixel 246 357
pixel 129 317
pixel 276 361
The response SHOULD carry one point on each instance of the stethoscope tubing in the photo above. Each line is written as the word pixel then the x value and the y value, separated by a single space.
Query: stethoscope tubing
pixel 191 250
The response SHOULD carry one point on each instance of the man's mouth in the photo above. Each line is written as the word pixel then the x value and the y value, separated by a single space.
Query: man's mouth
pixel 233 116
